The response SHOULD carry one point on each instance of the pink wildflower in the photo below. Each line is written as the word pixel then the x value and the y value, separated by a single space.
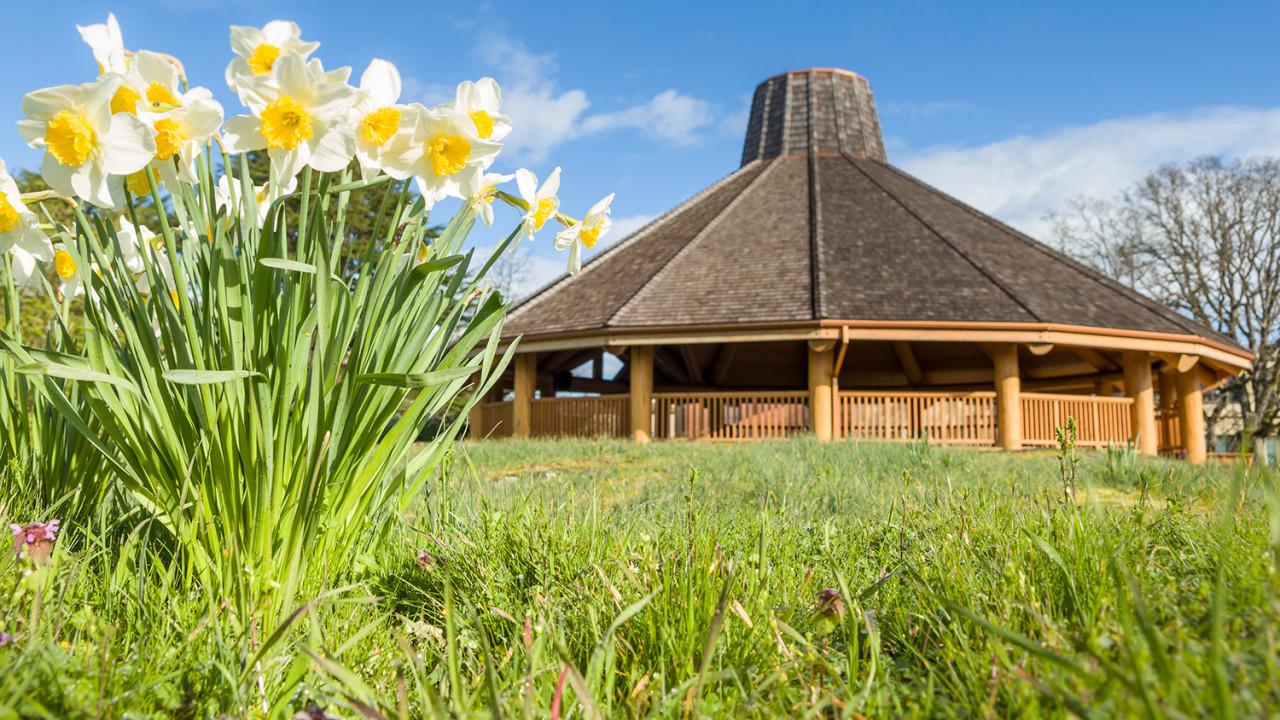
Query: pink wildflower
pixel 35 539
pixel 426 562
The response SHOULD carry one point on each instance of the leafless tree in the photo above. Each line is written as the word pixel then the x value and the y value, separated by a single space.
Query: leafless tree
pixel 511 272
pixel 1204 238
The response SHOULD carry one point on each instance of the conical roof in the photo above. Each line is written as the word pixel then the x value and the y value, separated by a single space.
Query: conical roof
pixel 816 225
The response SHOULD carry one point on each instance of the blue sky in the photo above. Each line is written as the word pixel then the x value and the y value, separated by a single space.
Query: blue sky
pixel 1013 107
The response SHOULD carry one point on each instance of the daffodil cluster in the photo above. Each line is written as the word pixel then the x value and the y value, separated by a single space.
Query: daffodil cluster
pixel 139 128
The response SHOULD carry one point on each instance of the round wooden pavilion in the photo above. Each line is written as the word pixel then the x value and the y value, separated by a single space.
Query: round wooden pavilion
pixel 819 289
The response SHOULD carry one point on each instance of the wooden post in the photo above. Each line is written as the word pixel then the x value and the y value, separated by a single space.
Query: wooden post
pixel 475 420
pixel 1008 397
pixel 522 403
pixel 822 362
pixel 1191 415
pixel 1168 403
pixel 1142 413
pixel 641 392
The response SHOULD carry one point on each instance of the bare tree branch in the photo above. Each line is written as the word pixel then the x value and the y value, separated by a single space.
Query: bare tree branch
pixel 1203 238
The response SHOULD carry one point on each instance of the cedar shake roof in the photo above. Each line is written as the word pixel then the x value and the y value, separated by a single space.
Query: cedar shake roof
pixel 817 225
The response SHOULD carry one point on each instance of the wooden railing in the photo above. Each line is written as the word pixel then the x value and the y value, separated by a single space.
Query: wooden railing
pixel 595 416
pixel 495 420
pixel 1169 427
pixel 729 416
pixel 1100 421
pixel 942 418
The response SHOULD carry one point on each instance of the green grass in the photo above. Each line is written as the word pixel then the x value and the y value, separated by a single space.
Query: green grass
pixel 609 579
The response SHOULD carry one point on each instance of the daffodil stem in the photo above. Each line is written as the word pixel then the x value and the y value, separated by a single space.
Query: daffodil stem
pixel 45 195
pixel 306 201
pixel 522 204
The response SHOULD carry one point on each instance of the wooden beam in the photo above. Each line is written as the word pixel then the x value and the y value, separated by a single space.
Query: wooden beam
pixel 844 348
pixel 552 361
pixel 1181 362
pixel 1040 348
pixel 1008 397
pixel 1091 381
pixel 1073 366
pixel 913 331
pixel 641 392
pixel 1094 358
pixel 669 367
pixel 1142 413
pixel 822 346
pixel 691 364
pixel 568 363
pixel 724 358
pixel 910 365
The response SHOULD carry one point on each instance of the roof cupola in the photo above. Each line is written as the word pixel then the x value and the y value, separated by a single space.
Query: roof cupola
pixel 824 112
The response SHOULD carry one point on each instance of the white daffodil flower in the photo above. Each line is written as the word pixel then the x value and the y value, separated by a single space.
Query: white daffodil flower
pixel 439 149
pixel 72 280
pixel 543 201
pixel 20 233
pixel 586 233
pixel 182 121
pixel 107 44
pixel 229 189
pixel 88 149
pixel 133 241
pixel 376 115
pixel 25 267
pixel 136 244
pixel 481 102
pixel 258 49
pixel 482 202
pixel 299 115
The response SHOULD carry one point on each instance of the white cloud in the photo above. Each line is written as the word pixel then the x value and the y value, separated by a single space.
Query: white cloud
pixel 429 94
pixel 542 117
pixel 624 226
pixel 1021 179
pixel 669 116
pixel 545 117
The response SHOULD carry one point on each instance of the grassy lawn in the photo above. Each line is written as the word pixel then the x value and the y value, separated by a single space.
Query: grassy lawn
pixel 606 579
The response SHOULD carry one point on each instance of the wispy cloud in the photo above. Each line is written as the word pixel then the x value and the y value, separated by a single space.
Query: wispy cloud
pixel 669 116
pixel 546 116
pixel 1021 179
pixel 624 226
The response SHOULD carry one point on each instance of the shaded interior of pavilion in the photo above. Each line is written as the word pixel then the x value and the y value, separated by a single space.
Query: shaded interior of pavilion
pixel 978 394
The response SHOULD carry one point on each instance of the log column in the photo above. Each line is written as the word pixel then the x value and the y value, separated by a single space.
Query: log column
pixel 1168 401
pixel 1008 397
pixel 641 392
pixel 1191 414
pixel 522 403
pixel 475 419
pixel 822 361
pixel 1142 413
